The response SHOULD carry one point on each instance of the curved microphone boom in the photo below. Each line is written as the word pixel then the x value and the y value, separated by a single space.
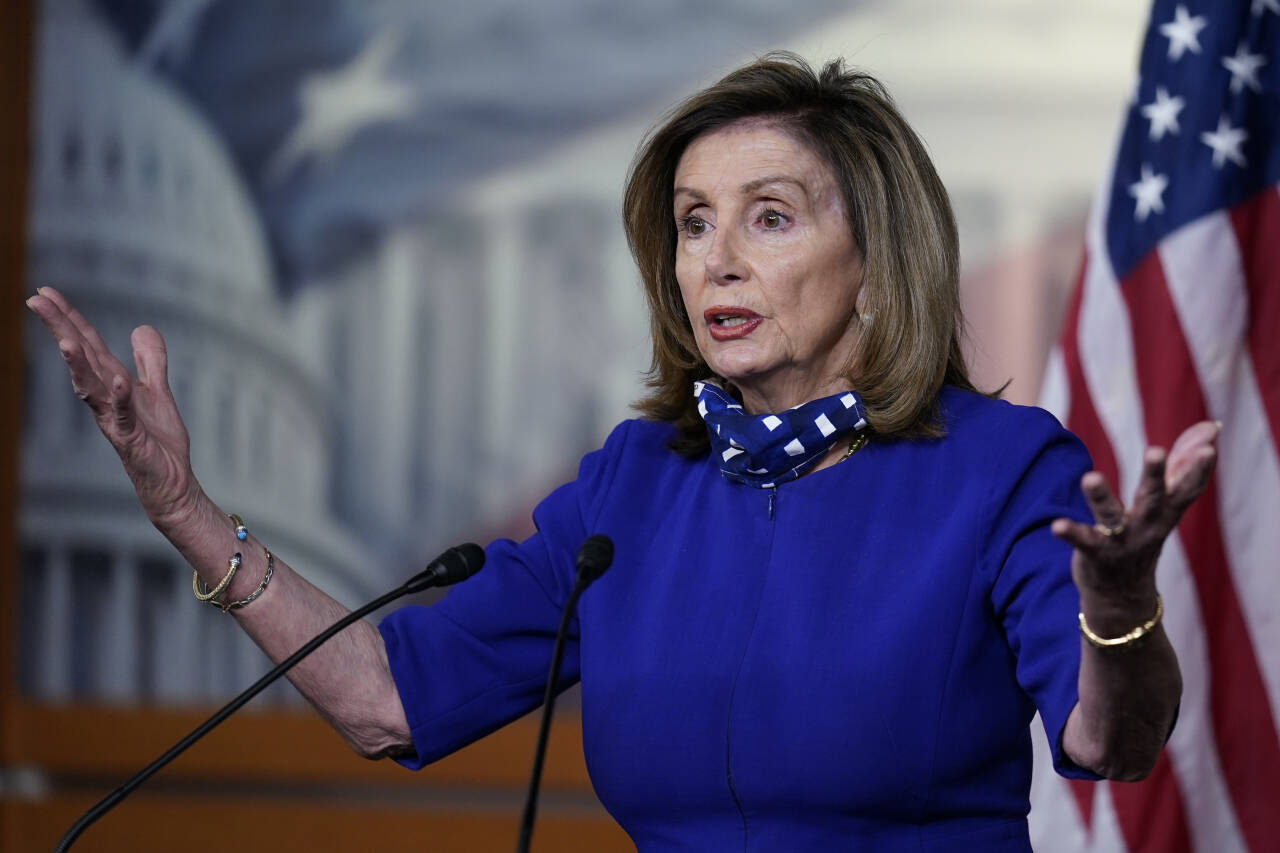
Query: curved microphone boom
pixel 595 555
pixel 454 565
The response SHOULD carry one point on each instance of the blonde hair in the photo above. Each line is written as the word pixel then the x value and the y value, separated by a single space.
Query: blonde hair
pixel 899 215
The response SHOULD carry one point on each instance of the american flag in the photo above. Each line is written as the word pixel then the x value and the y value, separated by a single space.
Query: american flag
pixel 1176 318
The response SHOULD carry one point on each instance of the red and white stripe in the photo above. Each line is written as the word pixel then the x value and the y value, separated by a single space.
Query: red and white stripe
pixel 1193 332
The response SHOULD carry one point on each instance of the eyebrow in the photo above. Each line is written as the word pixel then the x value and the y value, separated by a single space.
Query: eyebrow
pixel 750 186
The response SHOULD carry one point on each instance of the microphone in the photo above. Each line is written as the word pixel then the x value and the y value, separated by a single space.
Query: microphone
pixel 595 555
pixel 454 565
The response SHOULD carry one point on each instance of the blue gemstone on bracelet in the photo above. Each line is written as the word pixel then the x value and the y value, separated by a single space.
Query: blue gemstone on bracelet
pixel 242 533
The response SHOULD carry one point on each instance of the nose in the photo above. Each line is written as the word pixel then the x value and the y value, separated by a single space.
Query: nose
pixel 725 261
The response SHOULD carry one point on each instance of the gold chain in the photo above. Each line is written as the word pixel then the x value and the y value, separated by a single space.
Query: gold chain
pixel 855 445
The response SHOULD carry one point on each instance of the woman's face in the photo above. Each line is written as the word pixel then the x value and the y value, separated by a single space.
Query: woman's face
pixel 766 264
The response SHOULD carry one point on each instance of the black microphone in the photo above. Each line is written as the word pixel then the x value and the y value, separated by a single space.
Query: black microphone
pixel 453 566
pixel 456 564
pixel 595 555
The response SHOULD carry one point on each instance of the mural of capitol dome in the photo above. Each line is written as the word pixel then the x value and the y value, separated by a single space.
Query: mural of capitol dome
pixel 137 214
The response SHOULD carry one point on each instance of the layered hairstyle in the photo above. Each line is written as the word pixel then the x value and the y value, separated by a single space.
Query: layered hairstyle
pixel 908 343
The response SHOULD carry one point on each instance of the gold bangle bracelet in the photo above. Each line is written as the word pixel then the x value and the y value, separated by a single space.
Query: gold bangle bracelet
pixel 209 594
pixel 203 593
pixel 1125 639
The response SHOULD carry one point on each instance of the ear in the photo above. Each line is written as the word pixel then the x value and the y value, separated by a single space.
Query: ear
pixel 861 304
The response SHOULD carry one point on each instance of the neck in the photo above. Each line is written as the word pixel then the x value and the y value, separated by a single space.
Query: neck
pixel 758 399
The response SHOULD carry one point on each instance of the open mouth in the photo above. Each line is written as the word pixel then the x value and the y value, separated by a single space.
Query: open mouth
pixel 728 323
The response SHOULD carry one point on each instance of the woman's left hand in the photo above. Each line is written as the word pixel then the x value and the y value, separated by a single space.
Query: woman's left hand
pixel 1115 559
pixel 1128 697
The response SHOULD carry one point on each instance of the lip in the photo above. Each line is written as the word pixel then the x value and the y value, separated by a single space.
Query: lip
pixel 729 333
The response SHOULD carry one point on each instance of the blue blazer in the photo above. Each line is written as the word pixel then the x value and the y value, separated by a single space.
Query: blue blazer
pixel 847 662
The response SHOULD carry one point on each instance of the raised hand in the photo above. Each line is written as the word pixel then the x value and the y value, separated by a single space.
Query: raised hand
pixel 1115 559
pixel 138 416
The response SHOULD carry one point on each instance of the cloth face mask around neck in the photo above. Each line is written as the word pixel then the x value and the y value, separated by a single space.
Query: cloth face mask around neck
pixel 764 450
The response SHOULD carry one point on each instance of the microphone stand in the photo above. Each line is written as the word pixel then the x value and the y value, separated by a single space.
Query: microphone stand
pixel 454 565
pixel 595 555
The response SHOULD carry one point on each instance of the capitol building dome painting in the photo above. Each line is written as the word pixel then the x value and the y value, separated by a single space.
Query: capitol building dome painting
pixel 138 216
pixel 425 392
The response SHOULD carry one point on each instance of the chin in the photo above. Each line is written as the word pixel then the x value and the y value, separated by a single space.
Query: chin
pixel 737 374
pixel 736 367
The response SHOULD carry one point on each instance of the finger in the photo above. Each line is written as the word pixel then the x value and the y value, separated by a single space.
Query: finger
pixel 120 398
pixel 54 318
pixel 1083 537
pixel 109 397
pixel 1149 501
pixel 90 376
pixel 106 389
pixel 1204 432
pixel 55 296
pixel 1193 480
pixel 97 351
pixel 1187 449
pixel 52 309
pixel 85 381
pixel 1107 509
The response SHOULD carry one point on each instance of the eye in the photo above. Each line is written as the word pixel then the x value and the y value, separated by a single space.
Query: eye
pixel 772 220
pixel 694 226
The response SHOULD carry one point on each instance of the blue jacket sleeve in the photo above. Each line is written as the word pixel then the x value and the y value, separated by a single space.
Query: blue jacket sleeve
pixel 1033 596
pixel 479 658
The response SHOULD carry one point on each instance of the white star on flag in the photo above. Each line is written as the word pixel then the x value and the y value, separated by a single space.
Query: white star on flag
pixel 1163 113
pixel 1148 193
pixel 1226 142
pixel 1244 69
pixel 174 30
pixel 336 105
pixel 1183 32
pixel 1260 6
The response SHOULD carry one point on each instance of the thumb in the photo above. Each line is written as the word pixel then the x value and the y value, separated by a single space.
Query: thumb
pixel 150 357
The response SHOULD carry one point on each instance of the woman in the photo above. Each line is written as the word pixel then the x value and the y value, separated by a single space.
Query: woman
pixel 842 582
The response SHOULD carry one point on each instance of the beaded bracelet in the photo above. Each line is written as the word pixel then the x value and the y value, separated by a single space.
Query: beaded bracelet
pixel 1126 639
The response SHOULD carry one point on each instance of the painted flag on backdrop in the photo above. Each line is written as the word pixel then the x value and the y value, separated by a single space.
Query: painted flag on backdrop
pixel 347 118
pixel 1176 318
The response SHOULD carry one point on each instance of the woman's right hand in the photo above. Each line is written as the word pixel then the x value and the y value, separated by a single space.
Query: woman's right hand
pixel 348 679
pixel 139 417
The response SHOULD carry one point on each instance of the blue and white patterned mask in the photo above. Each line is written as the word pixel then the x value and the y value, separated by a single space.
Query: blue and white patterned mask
pixel 764 450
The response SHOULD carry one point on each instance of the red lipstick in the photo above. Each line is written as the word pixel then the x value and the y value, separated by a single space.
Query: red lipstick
pixel 727 323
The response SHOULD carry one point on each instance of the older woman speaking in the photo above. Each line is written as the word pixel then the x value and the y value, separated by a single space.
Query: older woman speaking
pixel 843 581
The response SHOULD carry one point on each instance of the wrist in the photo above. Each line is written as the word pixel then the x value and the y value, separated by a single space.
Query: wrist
pixel 190 521
pixel 1112 615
